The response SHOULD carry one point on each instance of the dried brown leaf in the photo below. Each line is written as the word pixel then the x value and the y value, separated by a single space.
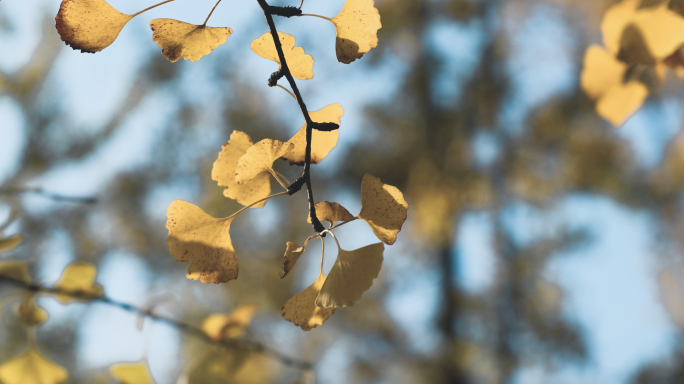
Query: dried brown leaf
pixel 292 253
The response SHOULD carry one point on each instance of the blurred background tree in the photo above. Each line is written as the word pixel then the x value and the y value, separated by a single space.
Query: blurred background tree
pixel 536 232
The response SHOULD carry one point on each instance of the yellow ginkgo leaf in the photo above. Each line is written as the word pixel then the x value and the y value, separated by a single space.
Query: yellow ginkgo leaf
pixel 15 270
pixel 9 243
pixel 203 240
pixel 224 173
pixel 29 313
pixel 299 63
pixel 601 72
pixel 331 212
pixel 302 310
pixel 259 158
pixel 78 279
pixel 322 142
pixel 383 207
pixel 189 41
pixel 614 22
pixel 89 25
pixel 131 373
pixel 229 326
pixel 357 27
pixel 620 102
pixel 351 276
pixel 654 34
pixel 292 253
pixel 32 368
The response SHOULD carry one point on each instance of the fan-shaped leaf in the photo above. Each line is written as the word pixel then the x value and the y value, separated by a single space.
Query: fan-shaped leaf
pixel 383 207
pixel 259 158
pixel 331 212
pixel 131 373
pixel 224 172
pixel 203 240
pixel 78 279
pixel 299 63
pixel 32 368
pixel 357 27
pixel 301 309
pixel 601 72
pixel 621 101
pixel 321 142
pixel 191 42
pixel 351 276
pixel 89 25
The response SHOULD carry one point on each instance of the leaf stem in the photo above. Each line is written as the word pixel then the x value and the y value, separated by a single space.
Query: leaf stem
pixel 322 253
pixel 300 4
pixel 319 16
pixel 287 90
pixel 148 8
pixel 275 175
pixel 283 177
pixel 256 202
pixel 338 243
pixel 210 13
pixel 306 176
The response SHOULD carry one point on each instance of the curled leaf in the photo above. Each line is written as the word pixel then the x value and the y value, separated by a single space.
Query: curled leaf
pixel 191 42
pixel 89 25
pixel 292 253
pixel 321 142
pixel 259 158
pixel 203 240
pixel 9 243
pixel 357 27
pixel 15 270
pixel 383 207
pixel 299 63
pixel 32 367
pixel 229 326
pixel 29 313
pixel 302 310
pixel 331 212
pixel 78 279
pixel 351 276
pixel 224 173
pixel 131 373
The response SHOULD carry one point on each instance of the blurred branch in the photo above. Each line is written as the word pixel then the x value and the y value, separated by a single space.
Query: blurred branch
pixel 53 196
pixel 191 330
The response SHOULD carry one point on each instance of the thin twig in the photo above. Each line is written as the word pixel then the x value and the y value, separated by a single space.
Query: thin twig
pixel 287 90
pixel 49 195
pixel 191 330
pixel 210 13
pixel 319 16
pixel 148 8
pixel 256 202
pixel 306 176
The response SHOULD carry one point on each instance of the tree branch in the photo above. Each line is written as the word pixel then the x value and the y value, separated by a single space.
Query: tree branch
pixel 285 70
pixel 48 195
pixel 191 330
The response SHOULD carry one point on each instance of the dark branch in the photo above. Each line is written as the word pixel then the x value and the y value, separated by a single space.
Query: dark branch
pixel 275 76
pixel 48 195
pixel 306 176
pixel 325 127
pixel 250 346
pixel 284 11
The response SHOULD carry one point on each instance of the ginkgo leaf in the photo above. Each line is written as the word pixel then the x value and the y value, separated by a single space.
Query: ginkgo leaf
pixel 131 373
pixel 29 313
pixel 259 158
pixel 191 42
pixel 9 243
pixel 89 25
pixel 78 279
pixel 302 310
pixel 383 207
pixel 653 34
pixel 614 22
pixel 322 142
pixel 351 276
pixel 203 240
pixel 331 212
pixel 292 253
pixel 15 270
pixel 299 63
pixel 224 173
pixel 32 367
pixel 229 326
pixel 621 101
pixel 601 72
pixel 357 27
